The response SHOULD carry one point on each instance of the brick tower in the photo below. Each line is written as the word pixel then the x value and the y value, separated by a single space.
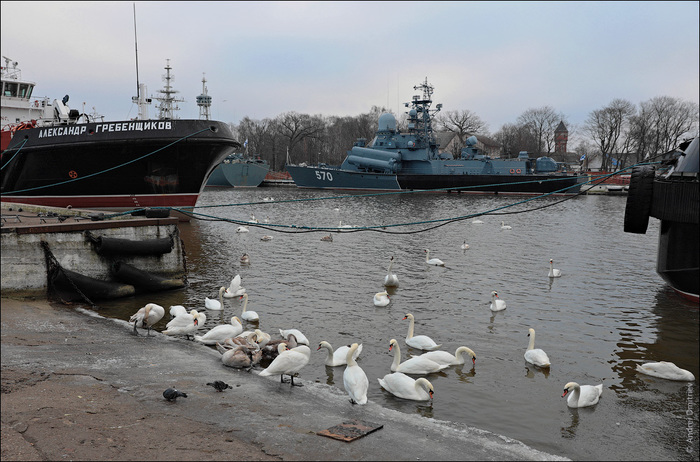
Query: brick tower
pixel 561 136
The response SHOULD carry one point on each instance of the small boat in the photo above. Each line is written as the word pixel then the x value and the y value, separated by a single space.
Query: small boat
pixel 411 161
pixel 238 170
pixel 671 197
pixel 54 155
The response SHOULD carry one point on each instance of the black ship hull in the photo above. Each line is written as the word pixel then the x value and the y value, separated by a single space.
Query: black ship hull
pixel 114 166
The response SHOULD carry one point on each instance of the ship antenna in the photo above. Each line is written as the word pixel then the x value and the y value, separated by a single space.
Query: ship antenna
pixel 136 48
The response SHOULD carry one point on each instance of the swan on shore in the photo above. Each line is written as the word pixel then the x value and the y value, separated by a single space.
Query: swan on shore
pixel 354 378
pixel 147 316
pixel 183 324
pixel 288 362
pixel 300 338
pixel 221 332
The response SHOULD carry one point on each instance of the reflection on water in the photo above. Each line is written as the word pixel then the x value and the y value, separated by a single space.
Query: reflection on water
pixel 607 313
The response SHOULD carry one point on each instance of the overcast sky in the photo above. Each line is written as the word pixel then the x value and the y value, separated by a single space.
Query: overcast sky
pixel 262 59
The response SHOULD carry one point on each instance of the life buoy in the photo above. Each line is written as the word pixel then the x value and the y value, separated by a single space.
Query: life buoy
pixel 36 103
pixel 518 171
pixel 73 174
pixel 512 170
pixel 639 197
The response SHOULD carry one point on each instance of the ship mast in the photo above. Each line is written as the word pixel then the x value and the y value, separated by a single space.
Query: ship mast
pixel 141 100
pixel 168 103
pixel 204 101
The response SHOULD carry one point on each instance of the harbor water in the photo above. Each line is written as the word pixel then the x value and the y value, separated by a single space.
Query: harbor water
pixel 608 312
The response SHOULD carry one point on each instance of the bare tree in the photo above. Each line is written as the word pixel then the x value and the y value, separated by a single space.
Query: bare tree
pixel 296 128
pixel 608 126
pixel 515 138
pixel 462 123
pixel 542 122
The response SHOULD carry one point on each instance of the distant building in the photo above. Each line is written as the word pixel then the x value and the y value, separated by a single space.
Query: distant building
pixel 561 137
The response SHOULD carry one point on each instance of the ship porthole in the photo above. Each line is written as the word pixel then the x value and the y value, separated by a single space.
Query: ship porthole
pixel 214 128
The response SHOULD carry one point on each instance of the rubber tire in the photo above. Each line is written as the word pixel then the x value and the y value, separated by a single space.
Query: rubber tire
pixel 641 191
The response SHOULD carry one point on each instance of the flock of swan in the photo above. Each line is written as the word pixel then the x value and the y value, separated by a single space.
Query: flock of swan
pixel 290 354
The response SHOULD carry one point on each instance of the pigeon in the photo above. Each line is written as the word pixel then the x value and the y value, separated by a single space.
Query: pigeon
pixel 219 385
pixel 172 394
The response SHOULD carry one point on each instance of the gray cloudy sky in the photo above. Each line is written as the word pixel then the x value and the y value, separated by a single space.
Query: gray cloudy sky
pixel 261 59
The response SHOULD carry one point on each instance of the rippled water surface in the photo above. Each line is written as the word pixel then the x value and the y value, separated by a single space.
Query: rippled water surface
pixel 608 312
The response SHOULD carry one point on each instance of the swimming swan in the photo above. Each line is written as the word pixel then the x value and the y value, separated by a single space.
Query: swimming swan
pixel 666 370
pixel 582 395
pixel 553 272
pixel 432 261
pixel 505 226
pixel 381 299
pixel 234 289
pixel 496 303
pixel 250 316
pixel 403 386
pixel 354 378
pixel 390 280
pixel 535 355
pixel 443 357
pixel 422 342
pixel 339 356
pixel 415 365
pixel 216 305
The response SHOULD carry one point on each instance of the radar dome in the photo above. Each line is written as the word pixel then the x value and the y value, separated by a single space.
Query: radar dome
pixel 387 122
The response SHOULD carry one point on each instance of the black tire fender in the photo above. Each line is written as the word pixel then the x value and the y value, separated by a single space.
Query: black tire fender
pixel 641 191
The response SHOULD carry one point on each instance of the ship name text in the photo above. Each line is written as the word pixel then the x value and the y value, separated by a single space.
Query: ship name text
pixel 108 127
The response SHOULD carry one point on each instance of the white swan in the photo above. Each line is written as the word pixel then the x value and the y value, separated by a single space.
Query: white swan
pixel 381 299
pixel 266 237
pixel 300 338
pixel 339 356
pixel 253 219
pixel 217 305
pixel 250 316
pixel 261 338
pixel 354 378
pixel 422 342
pixel 201 319
pixel 147 316
pixel 415 365
pixel 183 324
pixel 221 332
pixel 245 259
pixel 535 355
pixel 403 386
pixel 390 280
pixel 236 357
pixel 496 303
pixel 234 289
pixel 582 395
pixel 505 226
pixel 432 261
pixel 443 357
pixel 288 362
pixel 177 309
pixel 553 272
pixel 465 246
pixel 242 229
pixel 666 370
pixel 477 222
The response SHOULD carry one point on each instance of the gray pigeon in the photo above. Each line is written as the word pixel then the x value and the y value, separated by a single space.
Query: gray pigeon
pixel 172 394
pixel 219 385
